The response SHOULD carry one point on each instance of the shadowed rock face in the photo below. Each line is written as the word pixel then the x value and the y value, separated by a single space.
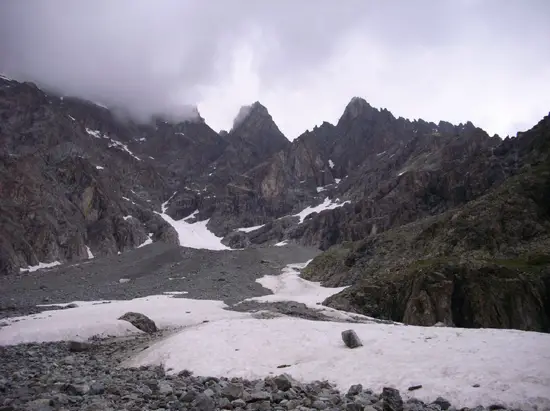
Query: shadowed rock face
pixel 483 264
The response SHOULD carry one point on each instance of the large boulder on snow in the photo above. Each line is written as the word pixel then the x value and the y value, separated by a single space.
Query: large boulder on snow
pixel 351 339
pixel 140 321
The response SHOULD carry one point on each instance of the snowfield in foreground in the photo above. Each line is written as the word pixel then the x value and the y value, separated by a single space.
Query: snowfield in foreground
pixel 511 367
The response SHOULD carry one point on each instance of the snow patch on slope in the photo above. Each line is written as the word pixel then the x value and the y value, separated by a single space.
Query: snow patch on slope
pixel 89 252
pixel 289 286
pixel 112 143
pixel 123 147
pixel 327 204
pixel 249 229
pixel 40 266
pixel 94 133
pixel 193 235
pixel 148 241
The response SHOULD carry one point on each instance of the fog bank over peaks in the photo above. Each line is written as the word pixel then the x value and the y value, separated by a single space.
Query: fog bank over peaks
pixel 457 60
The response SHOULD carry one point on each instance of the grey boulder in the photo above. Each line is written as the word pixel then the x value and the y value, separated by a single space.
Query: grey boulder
pixel 140 321
pixel 351 339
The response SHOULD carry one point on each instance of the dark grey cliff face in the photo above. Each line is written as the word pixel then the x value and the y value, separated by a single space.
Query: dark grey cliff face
pixel 70 185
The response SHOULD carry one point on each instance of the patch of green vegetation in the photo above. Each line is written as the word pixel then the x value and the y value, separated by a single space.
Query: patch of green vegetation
pixel 329 259
pixel 530 262
pixel 539 259
pixel 430 262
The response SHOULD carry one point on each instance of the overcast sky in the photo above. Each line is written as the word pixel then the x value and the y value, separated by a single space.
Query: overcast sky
pixel 487 61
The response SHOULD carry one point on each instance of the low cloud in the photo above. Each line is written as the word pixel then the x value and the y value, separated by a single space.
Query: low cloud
pixel 479 60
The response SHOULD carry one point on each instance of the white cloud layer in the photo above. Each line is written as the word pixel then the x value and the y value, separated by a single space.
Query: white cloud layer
pixel 481 60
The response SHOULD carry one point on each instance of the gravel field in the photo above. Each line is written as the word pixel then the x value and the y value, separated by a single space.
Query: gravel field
pixel 204 274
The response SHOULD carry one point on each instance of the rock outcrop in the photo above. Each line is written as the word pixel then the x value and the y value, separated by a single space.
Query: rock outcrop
pixel 484 264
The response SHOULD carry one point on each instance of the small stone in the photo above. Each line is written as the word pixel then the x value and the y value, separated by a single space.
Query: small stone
pixel 71 305
pixel 238 403
pixel 189 396
pixel 365 399
pixel 260 396
pixel 77 389
pixel 79 346
pixel 153 384
pixel 262 406
pixel 42 404
pixel 476 385
pixel 442 402
pixel 224 403
pixel 391 400
pixel 278 396
pixel 61 398
pixel 414 404
pixel 495 407
pixel 292 404
pixel 165 388
pixel 144 390
pixel 233 391
pixel 185 373
pixel 415 387
pixel 351 339
pixel 69 360
pixel 283 382
pixel 319 405
pixel 355 390
pixel 97 388
pixel 204 403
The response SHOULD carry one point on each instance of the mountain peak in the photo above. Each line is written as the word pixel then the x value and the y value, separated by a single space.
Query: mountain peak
pixel 255 110
pixel 358 106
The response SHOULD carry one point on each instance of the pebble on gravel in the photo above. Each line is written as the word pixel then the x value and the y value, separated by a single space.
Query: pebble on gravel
pixel 442 402
pixel 283 382
pixel 355 390
pixel 391 400
pixel 79 346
